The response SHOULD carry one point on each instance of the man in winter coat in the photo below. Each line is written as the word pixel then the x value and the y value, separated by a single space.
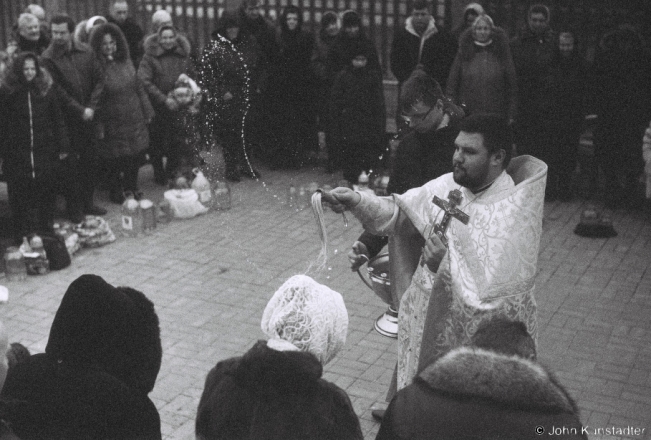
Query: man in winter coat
pixel 493 388
pixel 78 75
pixel 533 51
pixel 119 15
pixel 420 42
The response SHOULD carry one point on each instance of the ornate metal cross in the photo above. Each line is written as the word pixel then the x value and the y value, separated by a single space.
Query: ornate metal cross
pixel 451 211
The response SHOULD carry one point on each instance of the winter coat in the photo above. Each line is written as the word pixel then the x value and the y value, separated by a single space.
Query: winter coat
pixel 159 69
pixel 125 109
pixel 436 55
pixel 621 81
pixel 102 358
pixel 357 107
pixel 32 131
pixel 223 69
pixel 291 77
pixel 473 393
pixel 274 395
pixel 134 35
pixel 322 48
pixel 564 98
pixel 483 77
pixel 532 57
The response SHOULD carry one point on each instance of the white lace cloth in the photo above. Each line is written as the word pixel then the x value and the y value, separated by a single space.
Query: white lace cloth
pixel 310 316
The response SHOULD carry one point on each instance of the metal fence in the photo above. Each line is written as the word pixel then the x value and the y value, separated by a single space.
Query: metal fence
pixel 197 17
pixel 589 18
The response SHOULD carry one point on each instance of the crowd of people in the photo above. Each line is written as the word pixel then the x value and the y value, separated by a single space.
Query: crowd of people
pixel 102 100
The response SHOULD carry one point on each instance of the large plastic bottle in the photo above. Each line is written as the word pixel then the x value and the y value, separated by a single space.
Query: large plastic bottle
pixel 131 216
pixel 40 265
pixel 291 196
pixel 222 198
pixel 148 211
pixel 201 185
pixel 15 268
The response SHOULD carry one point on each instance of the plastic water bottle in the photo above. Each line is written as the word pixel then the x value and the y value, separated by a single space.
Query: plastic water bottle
pixel 148 211
pixel 164 212
pixel 15 268
pixel 38 264
pixel 222 198
pixel 362 183
pixel 291 196
pixel 201 185
pixel 302 198
pixel 131 216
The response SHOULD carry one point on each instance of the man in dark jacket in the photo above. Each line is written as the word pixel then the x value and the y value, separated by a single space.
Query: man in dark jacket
pixel 420 42
pixel 533 51
pixel 78 75
pixel 119 15
pixel 491 389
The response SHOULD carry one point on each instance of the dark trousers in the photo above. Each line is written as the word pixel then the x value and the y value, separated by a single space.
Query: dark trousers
pixel 123 174
pixel 79 173
pixel 355 158
pixel 32 204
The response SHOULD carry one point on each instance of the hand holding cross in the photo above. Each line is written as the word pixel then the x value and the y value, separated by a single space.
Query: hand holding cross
pixel 450 211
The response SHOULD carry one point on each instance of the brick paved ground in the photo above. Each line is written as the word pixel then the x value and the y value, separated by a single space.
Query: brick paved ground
pixel 211 277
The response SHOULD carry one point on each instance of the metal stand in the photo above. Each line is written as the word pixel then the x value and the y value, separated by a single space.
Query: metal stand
pixel 387 323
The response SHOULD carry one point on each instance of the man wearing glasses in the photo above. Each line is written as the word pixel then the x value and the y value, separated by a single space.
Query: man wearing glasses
pixel 482 264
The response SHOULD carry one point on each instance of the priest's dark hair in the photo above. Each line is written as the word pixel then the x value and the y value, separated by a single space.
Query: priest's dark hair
pixel 495 130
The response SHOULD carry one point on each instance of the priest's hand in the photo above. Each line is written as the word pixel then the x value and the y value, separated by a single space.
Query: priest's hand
pixel 358 255
pixel 433 252
pixel 340 199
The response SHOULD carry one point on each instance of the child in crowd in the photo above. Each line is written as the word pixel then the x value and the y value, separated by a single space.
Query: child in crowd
pixel 186 127
pixel 358 115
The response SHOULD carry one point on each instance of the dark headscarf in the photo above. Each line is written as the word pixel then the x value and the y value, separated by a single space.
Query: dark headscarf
pixel 114 329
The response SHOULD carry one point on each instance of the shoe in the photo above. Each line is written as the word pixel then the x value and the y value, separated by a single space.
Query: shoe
pixel 95 210
pixel 138 195
pixel 378 414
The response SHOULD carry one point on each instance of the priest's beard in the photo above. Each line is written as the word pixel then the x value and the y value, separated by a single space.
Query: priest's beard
pixel 471 179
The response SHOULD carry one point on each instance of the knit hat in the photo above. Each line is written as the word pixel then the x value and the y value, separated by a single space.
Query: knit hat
pixel 351 19
pixel 304 315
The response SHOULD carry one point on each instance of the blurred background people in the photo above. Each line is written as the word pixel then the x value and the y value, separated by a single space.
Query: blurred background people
pixel 124 112
pixel 33 141
pixel 483 76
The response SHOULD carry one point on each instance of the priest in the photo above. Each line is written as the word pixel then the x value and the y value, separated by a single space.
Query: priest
pixel 481 249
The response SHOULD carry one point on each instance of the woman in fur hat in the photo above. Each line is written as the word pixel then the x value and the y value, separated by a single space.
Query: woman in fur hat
pixel 483 75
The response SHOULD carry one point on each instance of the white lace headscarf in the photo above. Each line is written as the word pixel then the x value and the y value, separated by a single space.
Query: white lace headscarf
pixel 306 316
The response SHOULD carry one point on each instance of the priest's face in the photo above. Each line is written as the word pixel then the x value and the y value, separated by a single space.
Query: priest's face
pixel 471 161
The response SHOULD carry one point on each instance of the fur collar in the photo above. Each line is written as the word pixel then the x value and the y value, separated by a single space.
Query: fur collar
pixel 508 380
pixel 153 47
pixel 431 28
pixel 499 45
pixel 265 370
